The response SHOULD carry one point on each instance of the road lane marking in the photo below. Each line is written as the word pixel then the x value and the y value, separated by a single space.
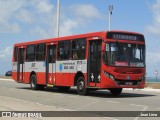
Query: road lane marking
pixel 6 108
pixel 86 105
pixel 111 118
pixel 112 101
pixel 144 109
pixel 60 108
pixel 36 103
pixel 139 105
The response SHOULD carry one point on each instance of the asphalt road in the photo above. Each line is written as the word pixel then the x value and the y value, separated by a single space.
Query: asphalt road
pixel 19 97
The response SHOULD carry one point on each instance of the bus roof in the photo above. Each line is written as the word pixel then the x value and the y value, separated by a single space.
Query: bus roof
pixel 86 35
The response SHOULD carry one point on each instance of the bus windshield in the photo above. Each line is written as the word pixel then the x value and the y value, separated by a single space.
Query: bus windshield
pixel 125 54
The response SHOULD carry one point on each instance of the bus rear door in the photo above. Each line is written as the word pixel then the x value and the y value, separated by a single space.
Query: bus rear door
pixel 20 64
pixel 51 64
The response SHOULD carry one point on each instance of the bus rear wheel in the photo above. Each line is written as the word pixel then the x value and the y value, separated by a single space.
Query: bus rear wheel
pixel 33 83
pixel 81 87
pixel 115 91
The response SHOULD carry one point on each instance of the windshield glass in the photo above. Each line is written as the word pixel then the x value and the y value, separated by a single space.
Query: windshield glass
pixel 125 54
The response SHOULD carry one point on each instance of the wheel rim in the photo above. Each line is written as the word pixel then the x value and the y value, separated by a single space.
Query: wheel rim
pixel 81 85
pixel 33 82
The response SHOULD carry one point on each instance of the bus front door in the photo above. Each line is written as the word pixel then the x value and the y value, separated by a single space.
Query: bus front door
pixel 50 65
pixel 20 66
pixel 94 61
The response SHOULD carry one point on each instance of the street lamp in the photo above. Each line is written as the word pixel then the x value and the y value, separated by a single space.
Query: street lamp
pixel 156 72
pixel 110 13
pixel 58 16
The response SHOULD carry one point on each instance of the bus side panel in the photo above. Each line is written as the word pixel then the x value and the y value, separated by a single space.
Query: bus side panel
pixel 26 77
pixel 41 78
pixel 65 79
pixel 14 71
pixel 66 71
pixel 37 68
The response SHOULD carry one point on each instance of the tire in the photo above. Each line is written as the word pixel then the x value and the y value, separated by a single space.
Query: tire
pixel 33 83
pixel 63 88
pixel 115 91
pixel 81 86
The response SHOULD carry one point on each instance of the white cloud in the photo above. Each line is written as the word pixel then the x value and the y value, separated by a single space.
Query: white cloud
pixel 40 31
pixel 153 58
pixel 78 16
pixel 44 6
pixel 8 7
pixel 25 16
pixel 67 27
pixel 40 17
pixel 9 27
pixel 86 10
pixel 5 53
pixel 154 28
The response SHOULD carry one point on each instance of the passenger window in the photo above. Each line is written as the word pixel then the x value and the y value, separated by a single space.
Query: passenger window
pixel 64 50
pixel 40 52
pixel 78 49
pixel 30 54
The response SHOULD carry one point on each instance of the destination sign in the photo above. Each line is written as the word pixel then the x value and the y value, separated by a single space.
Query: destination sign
pixel 125 36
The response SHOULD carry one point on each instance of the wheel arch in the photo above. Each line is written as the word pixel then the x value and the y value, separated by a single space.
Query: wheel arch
pixel 78 74
pixel 32 73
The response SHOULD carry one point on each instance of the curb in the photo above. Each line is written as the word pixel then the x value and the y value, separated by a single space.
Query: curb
pixel 6 79
pixel 145 89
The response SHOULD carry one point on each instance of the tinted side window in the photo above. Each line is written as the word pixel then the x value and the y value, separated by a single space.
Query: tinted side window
pixel 40 52
pixel 30 54
pixel 64 50
pixel 78 49
pixel 15 54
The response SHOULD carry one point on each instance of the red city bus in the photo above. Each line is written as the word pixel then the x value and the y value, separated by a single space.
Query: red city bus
pixel 110 60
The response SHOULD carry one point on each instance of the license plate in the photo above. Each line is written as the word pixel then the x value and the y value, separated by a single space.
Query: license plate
pixel 129 83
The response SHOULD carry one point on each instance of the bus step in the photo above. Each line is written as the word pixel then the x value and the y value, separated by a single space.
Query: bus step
pixel 49 85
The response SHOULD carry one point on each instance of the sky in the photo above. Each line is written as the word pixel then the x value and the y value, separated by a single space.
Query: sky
pixel 27 20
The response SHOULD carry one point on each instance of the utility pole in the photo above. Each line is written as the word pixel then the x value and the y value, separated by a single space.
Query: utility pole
pixel 156 72
pixel 110 13
pixel 58 17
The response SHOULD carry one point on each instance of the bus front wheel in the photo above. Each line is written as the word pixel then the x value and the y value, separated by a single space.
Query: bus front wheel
pixel 115 91
pixel 81 87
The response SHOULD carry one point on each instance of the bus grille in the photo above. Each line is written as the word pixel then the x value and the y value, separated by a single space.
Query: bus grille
pixel 128 82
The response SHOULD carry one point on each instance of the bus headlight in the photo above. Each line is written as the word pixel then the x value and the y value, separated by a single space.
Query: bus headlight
pixel 109 75
pixel 112 77
pixel 106 74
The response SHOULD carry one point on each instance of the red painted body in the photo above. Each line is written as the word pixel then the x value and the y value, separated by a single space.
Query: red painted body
pixel 68 79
